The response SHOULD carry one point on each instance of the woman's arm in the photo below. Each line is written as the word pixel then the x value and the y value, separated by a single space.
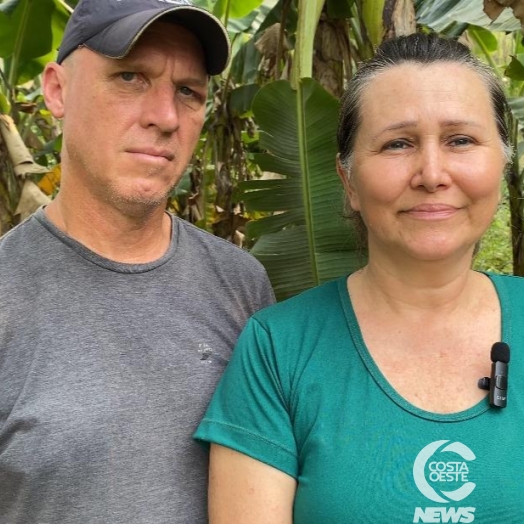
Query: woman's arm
pixel 243 490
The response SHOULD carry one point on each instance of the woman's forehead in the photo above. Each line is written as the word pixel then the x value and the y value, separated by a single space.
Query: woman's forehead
pixel 444 82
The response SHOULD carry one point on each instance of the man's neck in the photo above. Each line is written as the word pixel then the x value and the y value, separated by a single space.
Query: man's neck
pixel 112 234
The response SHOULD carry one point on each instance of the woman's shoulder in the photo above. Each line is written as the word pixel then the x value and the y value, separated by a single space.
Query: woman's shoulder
pixel 508 286
pixel 500 279
pixel 310 303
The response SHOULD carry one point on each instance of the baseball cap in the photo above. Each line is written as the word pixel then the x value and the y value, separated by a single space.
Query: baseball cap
pixel 111 27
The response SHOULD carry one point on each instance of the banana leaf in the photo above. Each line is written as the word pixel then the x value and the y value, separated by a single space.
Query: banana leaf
pixel 235 8
pixel 372 15
pixel 452 17
pixel 30 31
pixel 305 241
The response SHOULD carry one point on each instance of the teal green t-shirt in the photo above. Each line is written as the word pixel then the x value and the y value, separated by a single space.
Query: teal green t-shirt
pixel 303 394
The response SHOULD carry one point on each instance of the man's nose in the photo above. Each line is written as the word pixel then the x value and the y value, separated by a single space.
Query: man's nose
pixel 160 109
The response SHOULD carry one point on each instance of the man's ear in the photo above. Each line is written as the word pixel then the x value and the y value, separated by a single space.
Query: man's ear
pixel 349 189
pixel 54 88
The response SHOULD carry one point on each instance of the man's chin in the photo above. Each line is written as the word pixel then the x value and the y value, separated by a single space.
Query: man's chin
pixel 140 204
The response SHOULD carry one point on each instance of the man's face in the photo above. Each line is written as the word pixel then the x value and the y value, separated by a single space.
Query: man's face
pixel 131 125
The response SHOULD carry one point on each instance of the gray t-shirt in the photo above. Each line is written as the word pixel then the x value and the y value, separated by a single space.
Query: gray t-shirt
pixel 107 368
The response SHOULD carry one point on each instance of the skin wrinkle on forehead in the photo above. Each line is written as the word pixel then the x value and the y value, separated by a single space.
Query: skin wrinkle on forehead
pixel 412 125
pixel 154 61
pixel 363 88
pixel 141 58
pixel 446 96
pixel 409 124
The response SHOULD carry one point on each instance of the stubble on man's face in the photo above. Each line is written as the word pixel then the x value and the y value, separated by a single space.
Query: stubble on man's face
pixel 116 121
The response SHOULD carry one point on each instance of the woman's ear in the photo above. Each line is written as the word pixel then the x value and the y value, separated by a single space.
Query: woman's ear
pixel 349 188
pixel 54 88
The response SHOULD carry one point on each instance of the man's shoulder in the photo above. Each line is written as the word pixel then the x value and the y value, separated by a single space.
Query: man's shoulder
pixel 218 247
pixel 23 256
pixel 17 239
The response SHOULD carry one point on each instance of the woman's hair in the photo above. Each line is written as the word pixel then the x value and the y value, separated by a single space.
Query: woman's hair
pixel 417 48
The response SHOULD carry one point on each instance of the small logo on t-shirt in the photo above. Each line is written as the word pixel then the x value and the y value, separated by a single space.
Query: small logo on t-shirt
pixel 205 351
pixel 441 474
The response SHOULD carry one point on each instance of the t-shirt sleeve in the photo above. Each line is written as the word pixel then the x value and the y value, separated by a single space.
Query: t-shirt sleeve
pixel 249 411
pixel 267 295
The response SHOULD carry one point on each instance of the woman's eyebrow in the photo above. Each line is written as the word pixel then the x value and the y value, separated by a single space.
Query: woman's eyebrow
pixel 405 124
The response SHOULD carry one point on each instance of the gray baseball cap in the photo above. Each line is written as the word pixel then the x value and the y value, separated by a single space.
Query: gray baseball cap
pixel 111 27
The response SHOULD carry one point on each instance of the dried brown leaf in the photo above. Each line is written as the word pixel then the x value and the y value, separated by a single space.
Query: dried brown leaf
pixel 399 18
pixel 21 158
pixel 32 198
pixel 327 46
pixel 518 10
pixel 267 44
pixel 493 8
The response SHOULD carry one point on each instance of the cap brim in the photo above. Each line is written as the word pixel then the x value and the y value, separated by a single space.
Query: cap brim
pixel 117 40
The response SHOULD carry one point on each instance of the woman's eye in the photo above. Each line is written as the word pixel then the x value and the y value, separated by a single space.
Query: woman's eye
pixel 461 141
pixel 396 144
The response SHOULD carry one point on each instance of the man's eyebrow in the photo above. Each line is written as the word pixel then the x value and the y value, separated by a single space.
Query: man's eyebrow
pixel 142 64
pixel 194 81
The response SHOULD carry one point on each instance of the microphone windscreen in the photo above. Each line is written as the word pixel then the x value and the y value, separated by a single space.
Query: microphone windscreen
pixel 500 352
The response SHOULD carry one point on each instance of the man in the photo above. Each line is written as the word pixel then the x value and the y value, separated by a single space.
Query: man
pixel 117 319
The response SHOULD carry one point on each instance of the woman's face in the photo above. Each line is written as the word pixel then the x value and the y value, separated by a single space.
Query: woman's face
pixel 427 163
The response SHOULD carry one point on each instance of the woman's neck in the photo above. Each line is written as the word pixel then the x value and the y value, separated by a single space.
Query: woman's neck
pixel 423 288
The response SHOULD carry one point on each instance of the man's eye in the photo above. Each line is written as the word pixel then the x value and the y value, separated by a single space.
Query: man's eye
pixel 186 91
pixel 191 98
pixel 127 77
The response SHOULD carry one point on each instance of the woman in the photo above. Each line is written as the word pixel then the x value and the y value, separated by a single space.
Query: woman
pixel 358 401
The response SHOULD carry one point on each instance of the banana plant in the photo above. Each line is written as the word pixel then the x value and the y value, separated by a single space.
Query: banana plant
pixel 30 31
pixel 304 240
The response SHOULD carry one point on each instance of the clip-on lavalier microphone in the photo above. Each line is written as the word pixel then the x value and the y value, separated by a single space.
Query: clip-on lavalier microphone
pixel 498 383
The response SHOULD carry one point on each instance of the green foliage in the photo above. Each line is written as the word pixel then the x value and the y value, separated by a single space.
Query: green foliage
pixel 515 69
pixel 339 8
pixel 495 247
pixel 30 31
pixel 372 14
pixel 453 17
pixel 304 241
pixel 235 8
